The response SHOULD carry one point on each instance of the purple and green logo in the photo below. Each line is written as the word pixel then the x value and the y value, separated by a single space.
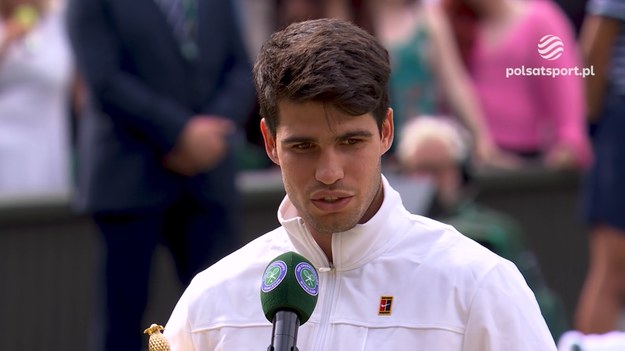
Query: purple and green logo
pixel 307 278
pixel 274 275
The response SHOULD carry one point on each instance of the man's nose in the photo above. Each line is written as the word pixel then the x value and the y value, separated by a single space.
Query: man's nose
pixel 329 167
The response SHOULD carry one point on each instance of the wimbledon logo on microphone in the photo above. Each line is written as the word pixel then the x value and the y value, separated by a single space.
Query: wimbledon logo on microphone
pixel 307 278
pixel 274 275
pixel 550 47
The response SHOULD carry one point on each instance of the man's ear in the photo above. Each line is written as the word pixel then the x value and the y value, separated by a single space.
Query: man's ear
pixel 388 131
pixel 270 142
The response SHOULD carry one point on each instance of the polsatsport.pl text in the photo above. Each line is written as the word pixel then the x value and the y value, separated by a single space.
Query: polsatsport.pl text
pixel 550 71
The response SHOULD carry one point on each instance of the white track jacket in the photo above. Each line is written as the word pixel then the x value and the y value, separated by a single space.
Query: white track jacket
pixel 398 282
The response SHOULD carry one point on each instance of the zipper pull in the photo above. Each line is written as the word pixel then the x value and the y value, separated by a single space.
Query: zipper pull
pixel 326 269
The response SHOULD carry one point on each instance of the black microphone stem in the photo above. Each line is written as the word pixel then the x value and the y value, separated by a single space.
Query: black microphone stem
pixel 284 335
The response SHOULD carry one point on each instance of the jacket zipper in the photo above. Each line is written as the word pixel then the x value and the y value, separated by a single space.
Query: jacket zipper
pixel 326 311
pixel 330 280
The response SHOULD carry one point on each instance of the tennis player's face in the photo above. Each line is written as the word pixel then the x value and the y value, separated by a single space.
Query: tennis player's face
pixel 330 162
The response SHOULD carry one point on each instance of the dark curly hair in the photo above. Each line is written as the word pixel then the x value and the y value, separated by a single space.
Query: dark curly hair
pixel 329 61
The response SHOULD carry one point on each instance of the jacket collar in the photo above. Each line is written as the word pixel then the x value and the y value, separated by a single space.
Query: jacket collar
pixel 355 247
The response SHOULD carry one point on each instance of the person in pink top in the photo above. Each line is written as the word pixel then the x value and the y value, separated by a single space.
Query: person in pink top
pixel 527 71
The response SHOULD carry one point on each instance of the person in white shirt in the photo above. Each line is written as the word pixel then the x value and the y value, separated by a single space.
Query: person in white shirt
pixel 388 279
pixel 37 79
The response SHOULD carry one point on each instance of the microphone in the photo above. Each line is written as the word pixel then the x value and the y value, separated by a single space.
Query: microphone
pixel 288 294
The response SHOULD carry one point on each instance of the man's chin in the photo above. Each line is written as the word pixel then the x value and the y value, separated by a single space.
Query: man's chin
pixel 336 224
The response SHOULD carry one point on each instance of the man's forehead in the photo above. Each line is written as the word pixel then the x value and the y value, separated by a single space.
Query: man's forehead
pixel 307 115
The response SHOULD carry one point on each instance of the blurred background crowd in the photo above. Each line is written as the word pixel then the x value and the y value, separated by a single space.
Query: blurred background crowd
pixel 140 117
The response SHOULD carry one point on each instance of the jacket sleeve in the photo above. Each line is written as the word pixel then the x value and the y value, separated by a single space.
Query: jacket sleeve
pixel 178 329
pixel 504 315
pixel 119 95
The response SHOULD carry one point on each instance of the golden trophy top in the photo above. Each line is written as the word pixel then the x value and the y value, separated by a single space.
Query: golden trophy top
pixel 157 341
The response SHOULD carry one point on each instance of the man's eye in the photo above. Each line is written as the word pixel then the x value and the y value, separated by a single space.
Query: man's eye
pixel 302 146
pixel 351 141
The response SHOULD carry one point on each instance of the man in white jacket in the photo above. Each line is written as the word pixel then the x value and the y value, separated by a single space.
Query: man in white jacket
pixel 389 280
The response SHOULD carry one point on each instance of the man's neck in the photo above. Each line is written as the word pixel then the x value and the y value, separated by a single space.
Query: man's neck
pixel 324 240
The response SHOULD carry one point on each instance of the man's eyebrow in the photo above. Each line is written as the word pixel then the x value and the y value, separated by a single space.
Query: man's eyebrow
pixel 297 139
pixel 356 133
pixel 304 139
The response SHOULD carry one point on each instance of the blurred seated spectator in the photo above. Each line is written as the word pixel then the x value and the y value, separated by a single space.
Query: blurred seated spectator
pixel 36 75
pixel 437 148
pixel 532 96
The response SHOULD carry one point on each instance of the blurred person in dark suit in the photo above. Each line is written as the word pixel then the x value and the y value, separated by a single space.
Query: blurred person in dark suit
pixel 169 82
